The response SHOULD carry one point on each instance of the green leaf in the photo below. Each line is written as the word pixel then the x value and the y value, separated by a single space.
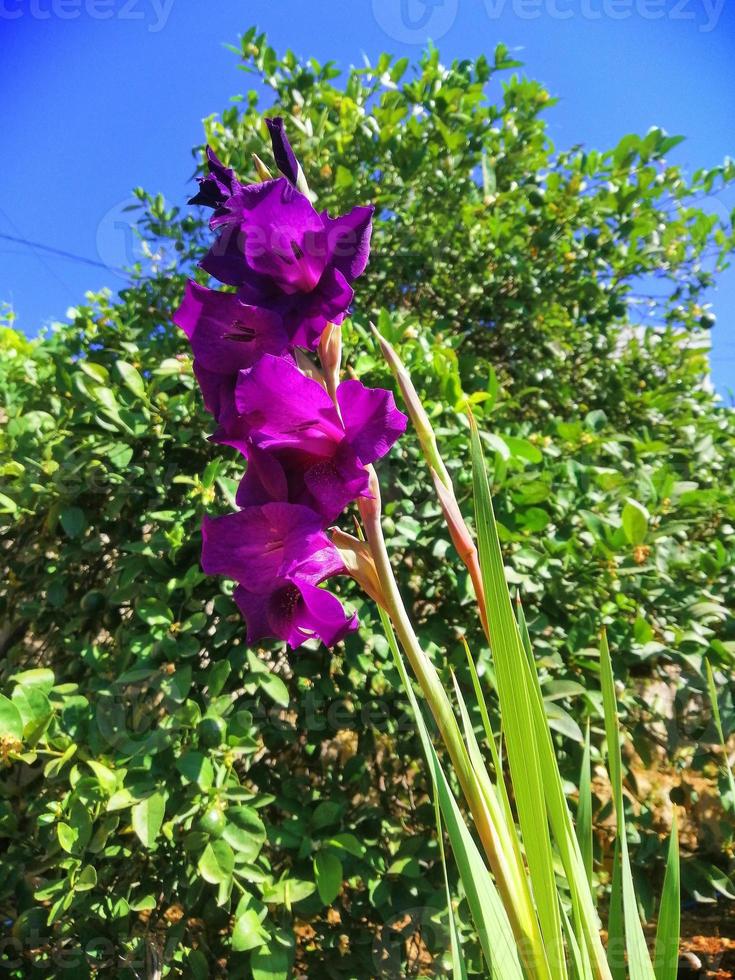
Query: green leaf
pixel 132 379
pixel 712 691
pixel 349 843
pixel 67 837
pixel 584 808
pixel 120 455
pixel 488 913
pixel 196 768
pixel 343 177
pixel 517 711
pixel 75 834
pixel 217 862
pixel 328 872
pixel 248 932
pixel 35 710
pixel 39 677
pixel 54 766
pixel 98 372
pixel 666 958
pixel 196 963
pixel 586 933
pixel 523 449
pixel 244 831
pixel 270 964
pixel 639 960
pixel 217 677
pixel 11 722
pixel 459 968
pixel 615 923
pixel 327 813
pixel 86 879
pixel 7 504
pixel 73 521
pixel 406 867
pixel 106 777
pixel 635 521
pixel 288 890
pixel 274 688
pixel 154 612
pixel 147 817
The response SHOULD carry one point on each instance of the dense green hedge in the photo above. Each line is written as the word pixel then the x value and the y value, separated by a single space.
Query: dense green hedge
pixel 171 795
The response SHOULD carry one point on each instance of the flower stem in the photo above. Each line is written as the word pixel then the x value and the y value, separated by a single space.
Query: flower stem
pixel 522 918
pixel 458 530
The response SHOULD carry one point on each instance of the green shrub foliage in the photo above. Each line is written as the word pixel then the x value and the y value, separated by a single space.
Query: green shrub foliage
pixel 174 800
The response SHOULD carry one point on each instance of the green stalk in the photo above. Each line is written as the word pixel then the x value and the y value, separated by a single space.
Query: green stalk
pixel 458 530
pixel 416 410
pixel 520 913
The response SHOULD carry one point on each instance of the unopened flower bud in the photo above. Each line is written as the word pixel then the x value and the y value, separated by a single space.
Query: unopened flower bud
pixel 261 169
pixel 462 541
pixel 416 410
pixel 307 366
pixel 330 356
pixel 359 563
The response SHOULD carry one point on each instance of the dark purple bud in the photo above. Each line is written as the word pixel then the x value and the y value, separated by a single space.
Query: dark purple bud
pixel 284 156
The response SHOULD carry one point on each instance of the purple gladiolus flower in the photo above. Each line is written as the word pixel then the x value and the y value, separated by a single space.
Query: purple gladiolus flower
pixel 299 447
pixel 283 154
pixel 278 554
pixel 226 336
pixel 283 255
pixel 293 268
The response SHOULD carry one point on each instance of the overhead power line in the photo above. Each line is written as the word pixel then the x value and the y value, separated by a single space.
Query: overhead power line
pixel 61 252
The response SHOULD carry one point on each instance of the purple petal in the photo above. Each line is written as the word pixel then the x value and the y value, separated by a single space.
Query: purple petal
pixel 218 393
pixel 284 236
pixel 282 152
pixel 233 209
pixel 371 420
pixel 334 483
pixel 271 232
pixel 264 480
pixel 299 312
pixel 334 295
pixel 294 612
pixel 306 316
pixel 282 408
pixel 325 485
pixel 226 334
pixel 225 259
pixel 254 608
pixel 259 545
pixel 348 240
pixel 321 614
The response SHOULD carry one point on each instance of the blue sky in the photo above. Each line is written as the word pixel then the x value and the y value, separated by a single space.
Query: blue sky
pixel 102 95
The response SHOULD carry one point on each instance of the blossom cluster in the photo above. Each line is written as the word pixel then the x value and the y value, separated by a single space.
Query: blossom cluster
pixel 307 444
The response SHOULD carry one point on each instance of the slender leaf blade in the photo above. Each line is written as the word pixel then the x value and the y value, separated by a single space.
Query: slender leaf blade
pixel 488 914
pixel 585 917
pixel 584 809
pixel 459 967
pixel 516 709
pixel 639 959
pixel 711 687
pixel 666 958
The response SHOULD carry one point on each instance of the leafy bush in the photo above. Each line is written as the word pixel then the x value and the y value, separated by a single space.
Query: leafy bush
pixel 147 751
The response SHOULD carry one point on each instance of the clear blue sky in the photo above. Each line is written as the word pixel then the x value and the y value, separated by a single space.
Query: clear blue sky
pixel 102 95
